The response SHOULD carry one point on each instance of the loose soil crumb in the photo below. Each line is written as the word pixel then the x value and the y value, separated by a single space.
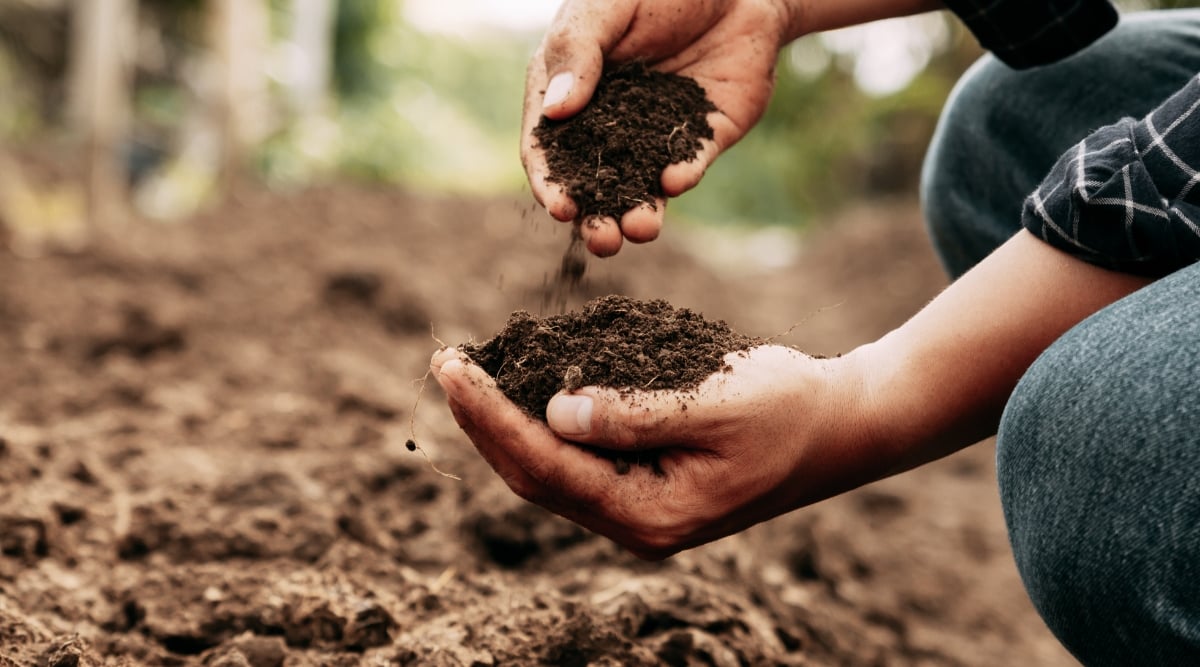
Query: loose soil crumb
pixel 615 341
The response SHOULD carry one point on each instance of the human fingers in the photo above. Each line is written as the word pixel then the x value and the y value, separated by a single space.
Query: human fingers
pixel 536 465
pixel 552 196
pixel 601 235
pixel 604 236
pixel 442 356
pixel 750 396
pixel 643 223
pixel 617 420
pixel 574 48
pixel 450 370
pixel 680 177
pixel 735 64
pixel 559 82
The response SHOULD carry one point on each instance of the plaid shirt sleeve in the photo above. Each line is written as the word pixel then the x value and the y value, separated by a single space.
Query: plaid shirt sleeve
pixel 1128 196
pixel 1025 33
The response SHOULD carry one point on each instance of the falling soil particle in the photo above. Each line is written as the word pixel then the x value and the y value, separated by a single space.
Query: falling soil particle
pixel 614 341
pixel 569 279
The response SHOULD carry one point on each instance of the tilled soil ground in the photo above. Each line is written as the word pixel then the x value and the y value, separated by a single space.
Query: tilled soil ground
pixel 203 462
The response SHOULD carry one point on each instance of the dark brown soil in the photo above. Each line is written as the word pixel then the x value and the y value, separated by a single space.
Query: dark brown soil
pixel 611 155
pixel 204 459
pixel 614 341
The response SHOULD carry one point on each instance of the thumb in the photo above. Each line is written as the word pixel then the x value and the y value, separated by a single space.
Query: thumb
pixel 620 420
pixel 574 50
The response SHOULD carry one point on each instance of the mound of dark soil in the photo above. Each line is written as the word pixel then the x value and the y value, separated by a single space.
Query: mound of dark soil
pixel 611 155
pixel 614 341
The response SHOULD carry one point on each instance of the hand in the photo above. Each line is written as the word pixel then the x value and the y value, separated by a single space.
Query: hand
pixel 728 46
pixel 779 430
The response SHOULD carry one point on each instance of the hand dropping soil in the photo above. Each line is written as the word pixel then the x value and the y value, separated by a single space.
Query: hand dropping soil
pixel 610 156
pixel 614 341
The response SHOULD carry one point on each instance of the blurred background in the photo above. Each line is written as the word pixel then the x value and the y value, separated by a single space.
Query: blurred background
pixel 160 106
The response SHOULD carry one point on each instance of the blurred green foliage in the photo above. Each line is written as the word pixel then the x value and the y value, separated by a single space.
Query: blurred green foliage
pixel 432 111
pixel 18 109
pixel 358 27
pixel 425 110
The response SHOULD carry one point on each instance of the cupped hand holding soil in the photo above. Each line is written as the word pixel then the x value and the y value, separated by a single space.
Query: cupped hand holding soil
pixel 767 436
pixel 677 37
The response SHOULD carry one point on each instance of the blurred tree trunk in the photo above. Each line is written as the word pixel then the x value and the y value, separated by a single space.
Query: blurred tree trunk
pixel 311 56
pixel 102 35
pixel 239 33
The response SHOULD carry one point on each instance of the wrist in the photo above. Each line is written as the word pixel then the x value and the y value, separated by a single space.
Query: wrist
pixel 842 442
pixel 804 17
pixel 880 434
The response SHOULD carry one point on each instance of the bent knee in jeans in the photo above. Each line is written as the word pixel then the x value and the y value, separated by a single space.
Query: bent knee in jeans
pixel 1099 468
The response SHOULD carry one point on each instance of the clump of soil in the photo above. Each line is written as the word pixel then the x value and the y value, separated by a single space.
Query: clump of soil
pixel 611 155
pixel 614 341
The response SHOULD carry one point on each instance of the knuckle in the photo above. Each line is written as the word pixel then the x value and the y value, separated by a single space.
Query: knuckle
pixel 557 48
pixel 631 420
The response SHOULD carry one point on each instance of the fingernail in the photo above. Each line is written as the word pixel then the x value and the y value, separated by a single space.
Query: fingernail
pixel 570 415
pixel 449 367
pixel 559 88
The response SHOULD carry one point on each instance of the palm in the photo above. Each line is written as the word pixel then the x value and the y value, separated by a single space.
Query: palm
pixel 723 454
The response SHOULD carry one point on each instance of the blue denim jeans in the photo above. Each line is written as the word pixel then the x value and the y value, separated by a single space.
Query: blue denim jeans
pixel 1098 453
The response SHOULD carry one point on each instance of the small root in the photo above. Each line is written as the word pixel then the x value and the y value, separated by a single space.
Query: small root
pixel 677 130
pixel 599 165
pixel 411 443
pixel 414 447
pixel 439 341
pixel 808 317
pixel 412 416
